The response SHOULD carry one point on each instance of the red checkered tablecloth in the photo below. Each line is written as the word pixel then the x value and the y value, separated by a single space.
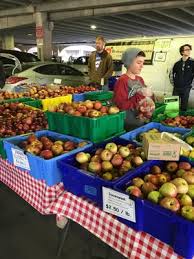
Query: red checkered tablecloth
pixel 35 192
pixel 132 244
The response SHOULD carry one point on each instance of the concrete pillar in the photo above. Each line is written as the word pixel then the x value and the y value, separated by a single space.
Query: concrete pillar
pixel 8 42
pixel 44 30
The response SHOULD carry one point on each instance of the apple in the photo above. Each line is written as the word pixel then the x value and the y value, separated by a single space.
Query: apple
pixel 148 187
pixel 185 166
pixel 82 144
pixel 191 191
pixel 46 154
pixel 181 185
pixel 124 151
pixel 117 160
pixel 172 167
pixel 155 169
pixel 94 114
pixel 137 181
pixel 180 172
pixel 112 147
pixel 99 151
pixel 37 143
pixel 126 166
pixel 95 158
pixel 188 212
pixel 154 196
pixel 81 109
pixel 106 166
pixel 106 155
pixel 59 142
pixel 97 105
pixel 137 161
pixel 104 109
pixel 113 110
pixel 107 176
pixel 170 203
pixel 81 157
pixel 32 138
pixel 168 190
pixel 94 167
pixel 189 177
pixel 89 104
pixel 57 149
pixel 47 144
pixel 147 177
pixel 184 199
pixel 69 145
pixel 33 150
pixel 162 178
pixel 168 176
pixel 154 179
pixel 134 190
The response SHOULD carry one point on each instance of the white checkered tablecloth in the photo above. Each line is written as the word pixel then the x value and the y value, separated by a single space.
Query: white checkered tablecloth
pixel 35 192
pixel 131 244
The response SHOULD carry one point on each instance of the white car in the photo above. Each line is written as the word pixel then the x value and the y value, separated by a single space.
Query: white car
pixel 46 73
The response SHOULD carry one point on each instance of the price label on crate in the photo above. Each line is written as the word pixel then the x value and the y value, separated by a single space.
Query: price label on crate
pixel 57 81
pixel 118 204
pixel 20 159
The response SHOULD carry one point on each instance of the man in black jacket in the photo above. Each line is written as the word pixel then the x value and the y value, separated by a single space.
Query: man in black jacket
pixel 2 76
pixel 182 76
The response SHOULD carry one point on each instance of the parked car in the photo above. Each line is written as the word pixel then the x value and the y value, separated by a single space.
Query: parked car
pixel 47 73
pixel 15 61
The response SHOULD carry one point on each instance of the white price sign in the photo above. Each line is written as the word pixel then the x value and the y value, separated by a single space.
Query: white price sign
pixel 118 204
pixel 20 159
pixel 57 81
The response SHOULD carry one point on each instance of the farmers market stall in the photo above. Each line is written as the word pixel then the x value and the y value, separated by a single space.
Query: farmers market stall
pixel 75 160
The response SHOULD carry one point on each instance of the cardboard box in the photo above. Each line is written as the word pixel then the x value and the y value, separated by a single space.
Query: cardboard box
pixel 160 147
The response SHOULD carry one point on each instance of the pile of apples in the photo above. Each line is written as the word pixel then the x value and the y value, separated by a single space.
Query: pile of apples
pixel 180 121
pixel 87 108
pixel 4 95
pixel 17 119
pixel 111 162
pixel 172 187
pixel 190 154
pixel 48 148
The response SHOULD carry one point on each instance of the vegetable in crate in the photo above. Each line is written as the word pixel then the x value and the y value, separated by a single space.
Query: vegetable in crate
pixel 171 186
pixel 92 109
pixel 48 148
pixel 111 162
pixel 17 119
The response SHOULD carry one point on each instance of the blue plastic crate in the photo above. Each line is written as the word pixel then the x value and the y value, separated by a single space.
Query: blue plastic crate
pixel 40 168
pixel 79 97
pixel 83 183
pixel 160 222
pixel 132 135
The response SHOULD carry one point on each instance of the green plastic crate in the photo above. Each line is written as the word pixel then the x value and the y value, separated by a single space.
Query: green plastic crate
pixel 34 103
pixel 93 129
pixel 19 100
pixel 99 96
pixel 158 114
pixel 158 104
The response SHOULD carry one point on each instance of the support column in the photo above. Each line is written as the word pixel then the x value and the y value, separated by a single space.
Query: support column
pixel 44 30
pixel 8 42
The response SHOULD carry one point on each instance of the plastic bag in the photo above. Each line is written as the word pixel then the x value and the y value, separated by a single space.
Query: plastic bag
pixel 146 108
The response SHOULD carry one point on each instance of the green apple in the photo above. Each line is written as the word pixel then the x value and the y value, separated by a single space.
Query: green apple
pixel 184 199
pixel 154 196
pixel 191 191
pixel 188 212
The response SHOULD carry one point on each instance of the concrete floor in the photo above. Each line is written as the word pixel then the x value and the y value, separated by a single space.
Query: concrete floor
pixel 26 234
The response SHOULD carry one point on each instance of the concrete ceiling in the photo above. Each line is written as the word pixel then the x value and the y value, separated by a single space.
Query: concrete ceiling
pixel 153 20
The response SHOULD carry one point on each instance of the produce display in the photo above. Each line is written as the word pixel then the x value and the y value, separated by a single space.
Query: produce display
pixel 180 121
pixel 48 148
pixel 189 140
pixel 17 119
pixel 87 108
pixel 140 136
pixel 43 92
pixel 111 162
pixel 172 187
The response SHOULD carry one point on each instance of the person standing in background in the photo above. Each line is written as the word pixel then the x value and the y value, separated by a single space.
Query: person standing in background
pixel 182 75
pixel 2 76
pixel 100 64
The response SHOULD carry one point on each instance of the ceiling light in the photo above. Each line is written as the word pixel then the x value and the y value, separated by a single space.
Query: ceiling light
pixel 29 34
pixel 93 27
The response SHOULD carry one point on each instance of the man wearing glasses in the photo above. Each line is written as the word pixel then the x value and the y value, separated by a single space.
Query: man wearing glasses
pixel 182 76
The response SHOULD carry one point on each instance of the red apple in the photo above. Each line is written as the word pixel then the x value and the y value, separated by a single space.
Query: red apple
pixel 46 154
pixel 134 190
pixel 117 160
pixel 170 203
